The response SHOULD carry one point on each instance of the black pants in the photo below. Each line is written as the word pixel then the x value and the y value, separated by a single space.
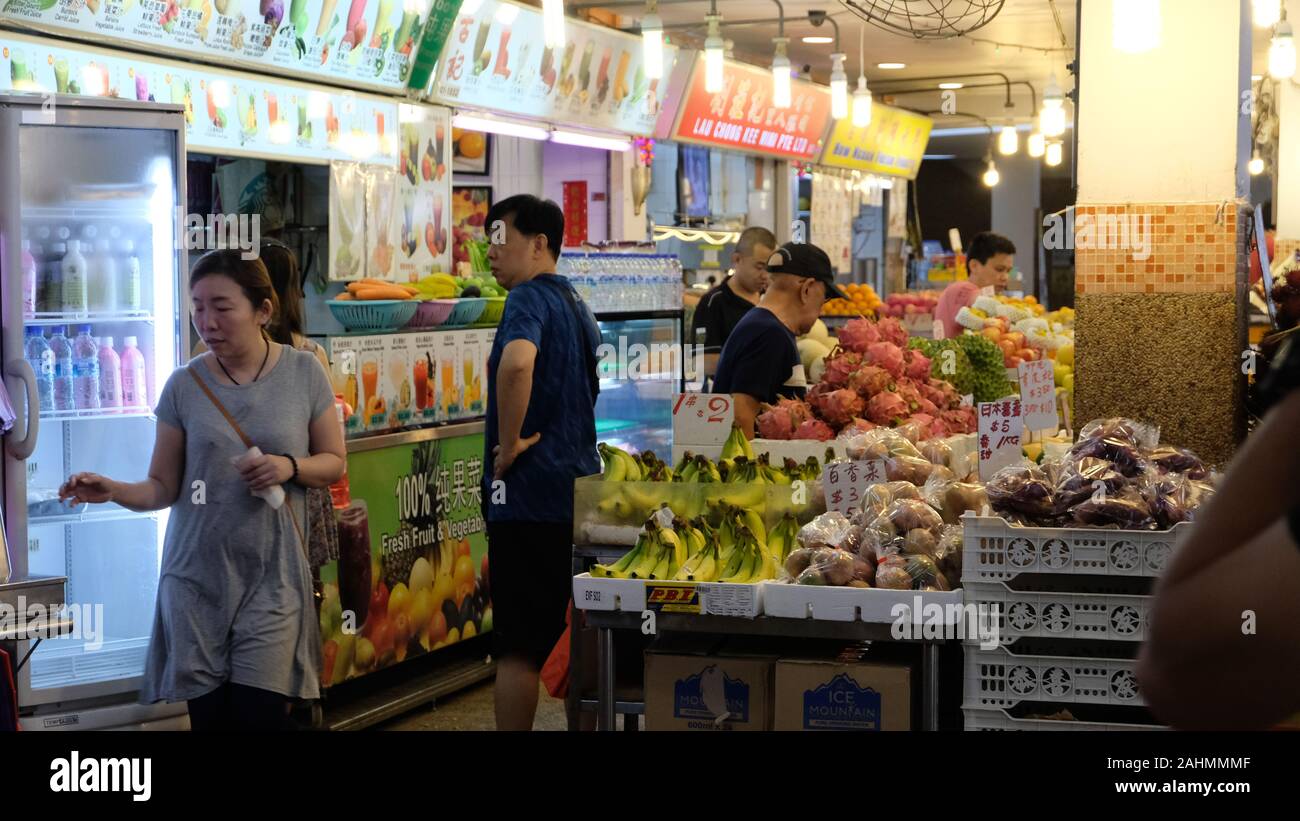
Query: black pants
pixel 530 568
pixel 239 708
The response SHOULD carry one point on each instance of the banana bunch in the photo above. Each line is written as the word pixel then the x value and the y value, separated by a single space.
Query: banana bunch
pixel 437 286
pixel 658 554
pixel 701 551
pixel 783 538
pixel 696 467
pixel 737 445
pixel 747 561
pixel 621 466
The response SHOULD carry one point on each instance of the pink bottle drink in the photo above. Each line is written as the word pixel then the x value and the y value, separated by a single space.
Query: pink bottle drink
pixel 135 388
pixel 110 375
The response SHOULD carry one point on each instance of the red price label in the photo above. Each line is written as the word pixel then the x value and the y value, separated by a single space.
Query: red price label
pixel 702 418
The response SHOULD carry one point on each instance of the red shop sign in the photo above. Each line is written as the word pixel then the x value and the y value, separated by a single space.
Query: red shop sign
pixel 575 213
pixel 742 117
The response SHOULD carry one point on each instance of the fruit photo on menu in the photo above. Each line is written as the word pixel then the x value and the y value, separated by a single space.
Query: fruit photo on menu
pixel 470 152
pixel 469 208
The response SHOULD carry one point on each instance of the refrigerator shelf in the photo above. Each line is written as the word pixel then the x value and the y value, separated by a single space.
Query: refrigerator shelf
pixel 87 415
pixel 92 517
pixel 47 318
pixel 133 209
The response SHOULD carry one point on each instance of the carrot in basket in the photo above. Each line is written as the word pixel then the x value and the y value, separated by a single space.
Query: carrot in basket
pixel 381 292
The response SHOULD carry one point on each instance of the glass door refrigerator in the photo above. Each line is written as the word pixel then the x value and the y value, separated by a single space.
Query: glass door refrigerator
pixel 91 258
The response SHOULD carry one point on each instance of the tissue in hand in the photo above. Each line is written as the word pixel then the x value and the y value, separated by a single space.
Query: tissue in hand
pixel 274 495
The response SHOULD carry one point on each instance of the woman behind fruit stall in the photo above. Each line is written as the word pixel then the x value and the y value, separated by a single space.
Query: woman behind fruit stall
pixel 235 632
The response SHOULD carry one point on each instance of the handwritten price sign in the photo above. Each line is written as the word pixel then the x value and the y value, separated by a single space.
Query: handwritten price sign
pixel 1038 395
pixel 702 418
pixel 1000 427
pixel 844 484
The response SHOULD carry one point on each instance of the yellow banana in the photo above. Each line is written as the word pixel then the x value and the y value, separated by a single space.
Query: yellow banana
pixel 755 524
pixel 670 540
pixel 744 571
pixel 707 570
pixel 633 467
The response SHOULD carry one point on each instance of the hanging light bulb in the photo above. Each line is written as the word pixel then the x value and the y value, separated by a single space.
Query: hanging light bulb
pixel 1054 153
pixel 1281 52
pixel 780 75
pixel 1051 120
pixel 652 41
pixel 553 23
pixel 1037 144
pixel 991 175
pixel 713 57
pixel 1267 13
pixel 839 88
pixel 1256 166
pixel 862 102
pixel 1008 140
pixel 1136 25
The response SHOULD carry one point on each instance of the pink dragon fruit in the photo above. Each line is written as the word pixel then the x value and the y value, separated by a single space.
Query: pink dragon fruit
pixel 891 330
pixel 886 408
pixel 951 399
pixel 857 334
pixel 960 420
pixel 888 356
pixel 840 366
pixel 855 427
pixel 779 421
pixel 917 365
pixel 839 407
pixel 916 402
pixel 870 380
pixel 938 429
pixel 933 393
pixel 814 429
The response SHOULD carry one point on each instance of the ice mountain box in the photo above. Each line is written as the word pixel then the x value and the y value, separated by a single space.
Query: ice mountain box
pixel 842 695
pixel 690 692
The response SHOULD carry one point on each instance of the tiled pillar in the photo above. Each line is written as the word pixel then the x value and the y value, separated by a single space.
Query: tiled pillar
pixel 1161 321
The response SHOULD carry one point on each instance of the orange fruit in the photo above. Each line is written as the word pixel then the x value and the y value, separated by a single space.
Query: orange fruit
pixel 472 144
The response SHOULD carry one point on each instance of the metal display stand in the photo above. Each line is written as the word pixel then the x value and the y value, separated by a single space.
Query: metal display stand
pixel 605 623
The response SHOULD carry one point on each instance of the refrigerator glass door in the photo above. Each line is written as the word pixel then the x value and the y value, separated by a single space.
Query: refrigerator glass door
pixel 635 407
pixel 101 255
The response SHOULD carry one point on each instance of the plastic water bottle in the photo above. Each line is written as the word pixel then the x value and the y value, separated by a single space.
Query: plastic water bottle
pixel 41 359
pixel 135 391
pixel 110 375
pixel 62 350
pixel 85 371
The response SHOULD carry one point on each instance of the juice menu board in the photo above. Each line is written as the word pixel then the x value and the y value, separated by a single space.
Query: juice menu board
pixel 495 59
pixel 424 375
pixel 893 143
pixel 412 574
pixel 742 116
pixel 225 112
pixel 423 207
pixel 397 380
pixel 360 43
pixel 370 364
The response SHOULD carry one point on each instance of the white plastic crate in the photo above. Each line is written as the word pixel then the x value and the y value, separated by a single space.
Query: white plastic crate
pixel 984 720
pixel 1035 614
pixel 995 551
pixel 1000 678
pixel 872 605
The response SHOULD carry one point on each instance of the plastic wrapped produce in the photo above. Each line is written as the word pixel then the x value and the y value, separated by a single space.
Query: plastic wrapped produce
pixel 1023 490
pixel 1080 479
pixel 1128 510
pixel 1178 460
pixel 1136 434
pixel 1174 498
pixel 878 497
pixel 881 443
pixel 891 574
pixel 912 469
pixel 830 529
pixel 952 498
pixel 937 452
pixel 829 566
pixel 909 573
pixel 949 554
pixel 905 515
pixel 1125 456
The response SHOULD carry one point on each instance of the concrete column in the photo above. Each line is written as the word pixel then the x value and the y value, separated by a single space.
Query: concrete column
pixel 1159 230
pixel 1015 201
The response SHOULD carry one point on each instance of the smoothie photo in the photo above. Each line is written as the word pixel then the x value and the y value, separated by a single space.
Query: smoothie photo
pixel 355 559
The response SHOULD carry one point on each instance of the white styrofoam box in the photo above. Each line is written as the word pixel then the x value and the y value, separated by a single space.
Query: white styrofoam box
pixel 1002 720
pixel 593 593
pixel 872 605
pixel 630 596
pixel 1062 615
pixel 745 601
pixel 604 534
pixel 1000 678
pixel 995 551
pixel 962 446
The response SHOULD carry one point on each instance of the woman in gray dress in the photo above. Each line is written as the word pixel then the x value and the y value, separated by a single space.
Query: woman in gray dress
pixel 235 630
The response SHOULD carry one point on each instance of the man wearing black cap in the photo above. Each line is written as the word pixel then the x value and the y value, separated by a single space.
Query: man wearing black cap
pixel 760 361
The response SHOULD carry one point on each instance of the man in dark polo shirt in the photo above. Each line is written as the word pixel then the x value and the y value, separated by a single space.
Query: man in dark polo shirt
pixel 760 361
pixel 723 306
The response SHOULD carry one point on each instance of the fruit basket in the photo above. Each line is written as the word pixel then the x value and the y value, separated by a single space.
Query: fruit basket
pixel 492 311
pixel 374 314
pixel 431 313
pixel 995 551
pixel 466 311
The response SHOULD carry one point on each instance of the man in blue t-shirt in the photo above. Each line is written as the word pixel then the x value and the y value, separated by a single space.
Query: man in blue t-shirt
pixel 760 361
pixel 541 435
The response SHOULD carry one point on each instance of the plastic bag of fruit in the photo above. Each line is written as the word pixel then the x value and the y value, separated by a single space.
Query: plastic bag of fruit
pixel 1022 491
pixel 881 443
pixel 1127 510
pixel 952 498
pixel 1085 477
pixel 910 572
pixel 1170 459
pixel 828 566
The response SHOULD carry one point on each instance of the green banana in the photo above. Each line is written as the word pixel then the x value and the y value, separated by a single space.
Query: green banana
pixel 620 569
pixel 745 569
pixel 688 471
pixel 686 459
pixel 650 555
pixel 615 468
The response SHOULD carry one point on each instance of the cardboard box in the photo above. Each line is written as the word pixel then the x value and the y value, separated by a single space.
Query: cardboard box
pixel 692 691
pixel 842 694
